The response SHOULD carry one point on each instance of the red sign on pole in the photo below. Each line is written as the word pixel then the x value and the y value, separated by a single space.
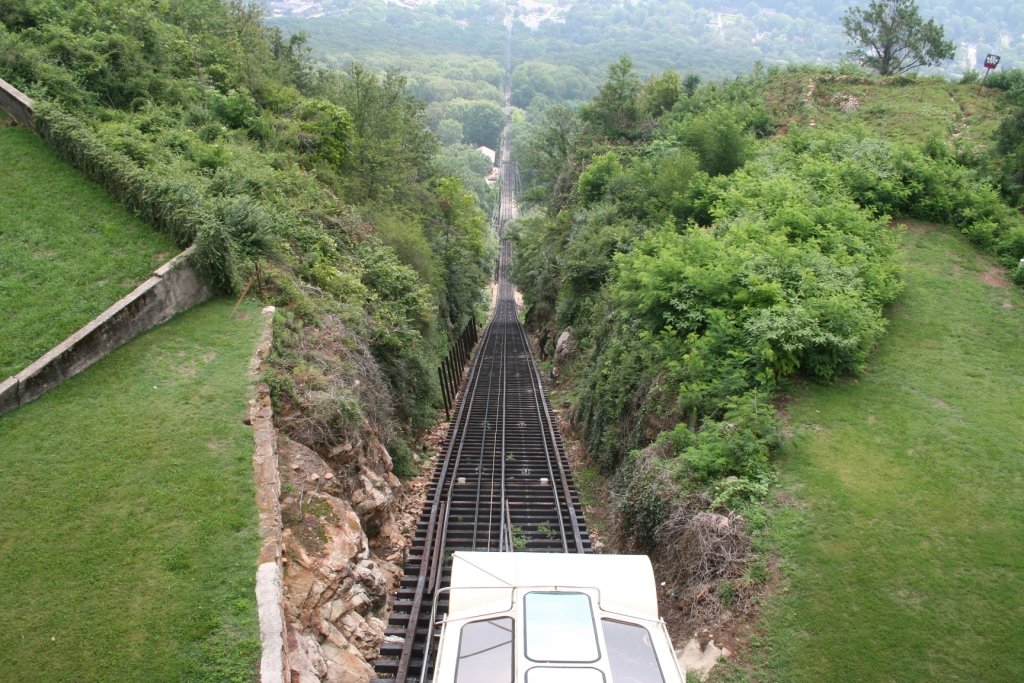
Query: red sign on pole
pixel 991 61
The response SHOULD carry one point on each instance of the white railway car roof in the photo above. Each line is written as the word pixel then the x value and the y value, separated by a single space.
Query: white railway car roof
pixel 546 617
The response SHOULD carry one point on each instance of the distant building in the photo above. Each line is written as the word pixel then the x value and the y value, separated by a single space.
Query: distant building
pixel 488 152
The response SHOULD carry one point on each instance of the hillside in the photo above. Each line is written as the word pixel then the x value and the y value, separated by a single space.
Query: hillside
pixel 707 249
pixel 320 191
pixel 898 545
pixel 962 115
pixel 901 506
pixel 130 531
pixel 67 250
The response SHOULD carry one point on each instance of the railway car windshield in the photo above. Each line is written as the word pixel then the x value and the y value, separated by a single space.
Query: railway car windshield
pixel 560 627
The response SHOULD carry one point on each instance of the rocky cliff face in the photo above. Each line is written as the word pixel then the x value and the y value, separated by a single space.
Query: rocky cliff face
pixel 343 549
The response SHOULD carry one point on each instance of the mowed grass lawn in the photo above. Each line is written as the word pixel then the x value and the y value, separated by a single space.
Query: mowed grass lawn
pixel 67 250
pixel 128 538
pixel 905 545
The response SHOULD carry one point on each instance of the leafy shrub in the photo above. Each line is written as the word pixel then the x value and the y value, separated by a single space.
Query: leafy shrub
pixel 595 180
pixel 236 109
pixel 696 325
pixel 644 494
pixel 172 204
pixel 737 445
pixel 401 458
pixel 717 138
pixel 1007 79
pixel 326 130
pixel 733 492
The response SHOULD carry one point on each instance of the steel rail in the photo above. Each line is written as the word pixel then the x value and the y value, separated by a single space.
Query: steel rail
pixel 436 502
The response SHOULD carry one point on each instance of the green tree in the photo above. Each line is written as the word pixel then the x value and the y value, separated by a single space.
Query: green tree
pixel 892 37
pixel 326 130
pixel 390 148
pixel 449 132
pixel 545 154
pixel 660 93
pixel 459 234
pixel 481 121
pixel 718 139
pixel 615 112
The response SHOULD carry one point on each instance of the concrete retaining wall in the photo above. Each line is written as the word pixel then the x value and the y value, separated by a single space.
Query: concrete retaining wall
pixel 173 288
pixel 17 105
pixel 270 573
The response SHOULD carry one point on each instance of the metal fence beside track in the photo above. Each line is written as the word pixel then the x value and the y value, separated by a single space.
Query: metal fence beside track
pixel 449 373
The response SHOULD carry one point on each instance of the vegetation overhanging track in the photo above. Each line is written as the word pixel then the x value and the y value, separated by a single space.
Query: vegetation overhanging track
pixel 503 482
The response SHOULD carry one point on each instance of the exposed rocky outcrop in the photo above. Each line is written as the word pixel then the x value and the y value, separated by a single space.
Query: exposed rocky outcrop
pixel 342 553
pixel 565 346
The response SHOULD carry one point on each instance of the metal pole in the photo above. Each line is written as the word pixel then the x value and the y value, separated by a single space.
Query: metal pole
pixel 444 395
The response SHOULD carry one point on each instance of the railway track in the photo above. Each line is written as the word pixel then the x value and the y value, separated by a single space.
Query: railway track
pixel 503 482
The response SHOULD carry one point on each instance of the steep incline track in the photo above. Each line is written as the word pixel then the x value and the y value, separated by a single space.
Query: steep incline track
pixel 503 483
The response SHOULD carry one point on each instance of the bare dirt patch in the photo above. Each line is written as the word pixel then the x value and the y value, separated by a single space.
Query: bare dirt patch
pixel 845 102
pixel 912 225
pixel 996 276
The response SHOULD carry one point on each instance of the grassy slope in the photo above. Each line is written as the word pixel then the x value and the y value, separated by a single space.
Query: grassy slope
pixel 920 109
pixel 67 250
pixel 905 555
pixel 128 540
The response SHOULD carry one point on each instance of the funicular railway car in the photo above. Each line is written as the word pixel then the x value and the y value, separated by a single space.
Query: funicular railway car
pixel 553 618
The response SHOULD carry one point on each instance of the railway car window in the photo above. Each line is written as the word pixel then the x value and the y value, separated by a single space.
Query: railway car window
pixel 485 652
pixel 631 653
pixel 560 627
pixel 551 674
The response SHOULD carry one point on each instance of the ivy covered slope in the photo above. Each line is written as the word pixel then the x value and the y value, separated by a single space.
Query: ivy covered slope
pixel 319 189
pixel 707 244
